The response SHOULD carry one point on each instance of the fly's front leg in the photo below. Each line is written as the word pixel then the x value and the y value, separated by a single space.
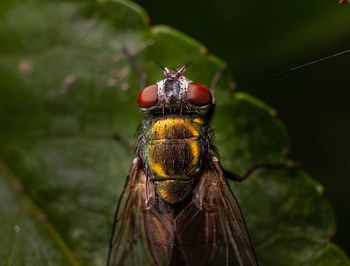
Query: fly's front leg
pixel 218 75
pixel 141 75
pixel 135 64
pixel 265 166
pixel 123 140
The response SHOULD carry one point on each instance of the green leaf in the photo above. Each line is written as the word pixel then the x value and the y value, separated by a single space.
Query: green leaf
pixel 67 88
pixel 27 238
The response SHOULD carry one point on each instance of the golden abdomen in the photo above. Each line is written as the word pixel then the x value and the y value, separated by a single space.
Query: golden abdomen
pixel 172 154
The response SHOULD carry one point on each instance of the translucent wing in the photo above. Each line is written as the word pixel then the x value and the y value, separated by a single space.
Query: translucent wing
pixel 137 213
pixel 211 229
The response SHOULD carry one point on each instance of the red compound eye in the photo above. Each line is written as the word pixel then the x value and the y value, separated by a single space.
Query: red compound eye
pixel 148 97
pixel 198 94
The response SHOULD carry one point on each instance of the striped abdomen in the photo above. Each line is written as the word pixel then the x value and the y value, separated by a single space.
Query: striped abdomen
pixel 172 154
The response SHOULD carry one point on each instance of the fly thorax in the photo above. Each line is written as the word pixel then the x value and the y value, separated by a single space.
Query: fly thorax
pixel 173 155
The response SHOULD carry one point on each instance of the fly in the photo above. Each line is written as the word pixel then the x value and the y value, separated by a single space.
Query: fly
pixel 177 207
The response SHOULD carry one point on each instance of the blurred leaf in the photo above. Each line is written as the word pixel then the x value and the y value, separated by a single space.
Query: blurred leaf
pixel 26 236
pixel 67 88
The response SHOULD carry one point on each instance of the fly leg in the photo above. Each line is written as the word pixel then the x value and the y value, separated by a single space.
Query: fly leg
pixel 218 75
pixel 123 140
pixel 141 75
pixel 279 166
pixel 135 64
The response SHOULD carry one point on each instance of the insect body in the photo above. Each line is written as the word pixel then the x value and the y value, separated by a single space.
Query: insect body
pixel 173 152
pixel 177 207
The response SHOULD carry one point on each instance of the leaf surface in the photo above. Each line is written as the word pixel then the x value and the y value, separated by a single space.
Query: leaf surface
pixel 67 87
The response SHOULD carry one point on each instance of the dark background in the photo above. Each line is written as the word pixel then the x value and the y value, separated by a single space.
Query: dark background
pixel 261 38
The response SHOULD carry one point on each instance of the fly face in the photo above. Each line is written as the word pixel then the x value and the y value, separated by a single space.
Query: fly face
pixel 177 207
pixel 175 93
pixel 172 91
